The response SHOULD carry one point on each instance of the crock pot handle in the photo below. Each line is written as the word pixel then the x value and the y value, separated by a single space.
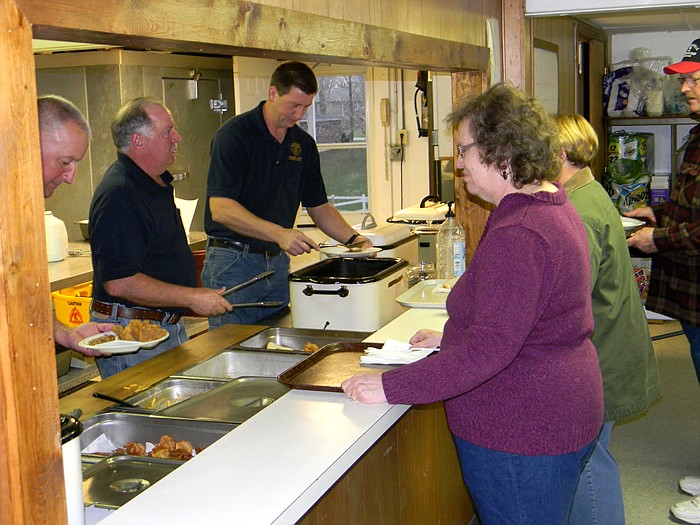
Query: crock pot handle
pixel 433 198
pixel 342 291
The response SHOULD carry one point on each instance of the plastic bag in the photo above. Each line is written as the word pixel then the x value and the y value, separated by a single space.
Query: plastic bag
pixel 627 88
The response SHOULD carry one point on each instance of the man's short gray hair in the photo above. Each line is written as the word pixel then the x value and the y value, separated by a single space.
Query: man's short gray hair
pixel 132 118
pixel 55 112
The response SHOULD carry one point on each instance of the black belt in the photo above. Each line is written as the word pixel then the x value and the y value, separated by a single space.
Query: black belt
pixel 237 245
pixel 135 313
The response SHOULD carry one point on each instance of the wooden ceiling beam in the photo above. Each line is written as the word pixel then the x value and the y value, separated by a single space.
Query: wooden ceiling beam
pixel 230 28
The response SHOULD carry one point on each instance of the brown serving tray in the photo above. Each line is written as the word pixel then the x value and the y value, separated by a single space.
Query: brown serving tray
pixel 327 368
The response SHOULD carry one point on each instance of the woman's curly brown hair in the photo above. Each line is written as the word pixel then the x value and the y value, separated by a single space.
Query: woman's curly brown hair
pixel 513 133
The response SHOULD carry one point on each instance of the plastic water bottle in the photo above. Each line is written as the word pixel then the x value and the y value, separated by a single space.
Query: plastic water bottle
pixel 56 237
pixel 451 251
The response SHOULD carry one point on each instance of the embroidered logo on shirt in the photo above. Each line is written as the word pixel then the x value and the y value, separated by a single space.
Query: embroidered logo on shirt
pixel 295 151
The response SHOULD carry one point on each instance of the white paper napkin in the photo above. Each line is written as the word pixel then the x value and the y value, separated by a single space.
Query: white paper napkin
pixel 100 444
pixel 187 209
pixel 394 352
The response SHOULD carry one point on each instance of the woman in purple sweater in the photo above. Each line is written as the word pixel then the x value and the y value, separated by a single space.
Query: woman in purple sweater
pixel 516 368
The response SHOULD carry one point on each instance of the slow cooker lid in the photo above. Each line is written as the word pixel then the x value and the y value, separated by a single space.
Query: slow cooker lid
pixel 387 235
pixel 349 270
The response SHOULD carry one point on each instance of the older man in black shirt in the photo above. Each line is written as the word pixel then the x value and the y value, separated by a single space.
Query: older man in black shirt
pixel 143 266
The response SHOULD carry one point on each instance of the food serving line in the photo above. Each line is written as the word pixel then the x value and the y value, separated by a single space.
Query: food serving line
pixel 281 460
pixel 272 468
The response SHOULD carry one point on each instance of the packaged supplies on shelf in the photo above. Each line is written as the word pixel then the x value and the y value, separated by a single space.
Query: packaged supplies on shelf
pixel 641 266
pixel 659 189
pixel 629 169
pixel 629 196
pixel 636 87
pixel 624 91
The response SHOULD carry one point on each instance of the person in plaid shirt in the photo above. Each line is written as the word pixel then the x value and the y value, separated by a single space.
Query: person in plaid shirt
pixel 673 236
pixel 673 239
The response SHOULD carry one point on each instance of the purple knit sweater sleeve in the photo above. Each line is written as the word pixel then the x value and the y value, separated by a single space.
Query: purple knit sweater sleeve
pixel 516 367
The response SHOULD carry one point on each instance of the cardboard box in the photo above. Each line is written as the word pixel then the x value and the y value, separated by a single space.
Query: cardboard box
pixel 659 189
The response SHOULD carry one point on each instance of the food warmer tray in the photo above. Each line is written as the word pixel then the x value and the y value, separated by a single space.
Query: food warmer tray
pixel 326 369
pixel 171 391
pixel 235 362
pixel 234 402
pixel 122 427
pixel 116 480
pixel 296 338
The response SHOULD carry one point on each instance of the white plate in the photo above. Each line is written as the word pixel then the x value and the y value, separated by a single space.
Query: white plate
pixel 342 251
pixel 111 347
pixel 152 344
pixel 630 223
pixel 120 346
pixel 423 295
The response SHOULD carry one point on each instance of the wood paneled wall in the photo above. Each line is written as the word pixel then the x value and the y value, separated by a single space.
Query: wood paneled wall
pixel 410 476
pixel 560 31
pixel 565 33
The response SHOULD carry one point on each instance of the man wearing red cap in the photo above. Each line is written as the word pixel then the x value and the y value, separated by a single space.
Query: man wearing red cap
pixel 673 237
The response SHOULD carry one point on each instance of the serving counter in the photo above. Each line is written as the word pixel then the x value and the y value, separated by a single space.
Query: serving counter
pixel 309 457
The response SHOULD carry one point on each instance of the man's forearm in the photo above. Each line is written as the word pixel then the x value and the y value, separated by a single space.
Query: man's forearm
pixel 146 291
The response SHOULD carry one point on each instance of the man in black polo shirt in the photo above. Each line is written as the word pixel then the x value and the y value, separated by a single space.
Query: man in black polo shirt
pixel 263 166
pixel 143 266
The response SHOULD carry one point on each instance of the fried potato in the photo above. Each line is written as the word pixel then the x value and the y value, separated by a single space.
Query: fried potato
pixel 166 448
pixel 133 449
pixel 139 330
pixel 310 347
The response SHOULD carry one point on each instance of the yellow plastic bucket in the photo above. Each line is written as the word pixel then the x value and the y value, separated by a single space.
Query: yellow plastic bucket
pixel 72 304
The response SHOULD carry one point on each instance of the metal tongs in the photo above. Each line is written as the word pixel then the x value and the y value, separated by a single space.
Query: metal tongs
pixel 352 247
pixel 255 279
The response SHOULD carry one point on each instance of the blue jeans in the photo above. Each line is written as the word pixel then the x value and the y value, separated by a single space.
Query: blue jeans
pixel 512 489
pixel 693 334
pixel 598 499
pixel 108 366
pixel 230 266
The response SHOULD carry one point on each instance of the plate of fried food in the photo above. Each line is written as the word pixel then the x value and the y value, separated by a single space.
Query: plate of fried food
pixel 126 339
pixel 148 334
pixel 109 343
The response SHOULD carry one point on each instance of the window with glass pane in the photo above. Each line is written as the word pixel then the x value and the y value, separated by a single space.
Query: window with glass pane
pixel 337 120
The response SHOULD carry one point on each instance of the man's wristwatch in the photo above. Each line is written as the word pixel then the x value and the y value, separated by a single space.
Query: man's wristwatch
pixel 352 239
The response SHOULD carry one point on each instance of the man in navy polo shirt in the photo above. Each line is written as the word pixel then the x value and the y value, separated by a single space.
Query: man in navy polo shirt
pixel 263 166
pixel 143 266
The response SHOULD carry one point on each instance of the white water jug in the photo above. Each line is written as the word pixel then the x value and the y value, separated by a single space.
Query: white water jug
pixel 56 237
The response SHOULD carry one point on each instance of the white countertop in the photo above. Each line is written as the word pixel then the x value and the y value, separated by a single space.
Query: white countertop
pixel 274 467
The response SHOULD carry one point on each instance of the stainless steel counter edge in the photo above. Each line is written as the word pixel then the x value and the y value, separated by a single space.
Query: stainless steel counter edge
pixel 274 467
